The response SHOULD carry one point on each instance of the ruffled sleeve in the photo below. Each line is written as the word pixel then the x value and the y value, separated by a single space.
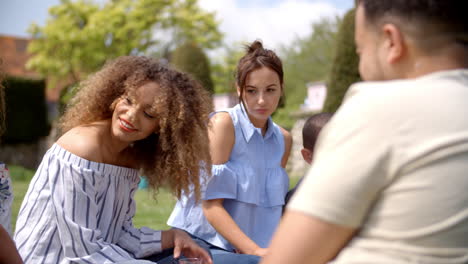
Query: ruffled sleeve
pixel 262 187
pixel 223 184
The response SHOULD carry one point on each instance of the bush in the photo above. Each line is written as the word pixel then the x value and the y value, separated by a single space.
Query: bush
pixel 345 68
pixel 66 94
pixel 190 58
pixel 26 110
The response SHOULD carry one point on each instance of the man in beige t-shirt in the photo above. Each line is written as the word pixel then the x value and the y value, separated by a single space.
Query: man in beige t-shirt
pixel 390 179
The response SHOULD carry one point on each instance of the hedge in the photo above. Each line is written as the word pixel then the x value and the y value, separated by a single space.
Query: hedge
pixel 26 110
pixel 345 67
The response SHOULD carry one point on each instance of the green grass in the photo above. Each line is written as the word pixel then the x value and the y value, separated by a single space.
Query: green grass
pixel 293 181
pixel 20 178
pixel 150 212
pixel 153 213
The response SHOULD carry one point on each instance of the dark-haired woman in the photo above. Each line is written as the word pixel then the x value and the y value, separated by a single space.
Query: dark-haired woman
pixel 243 200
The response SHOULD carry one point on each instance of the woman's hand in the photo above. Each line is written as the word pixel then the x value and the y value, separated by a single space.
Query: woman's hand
pixel 184 245
pixel 261 252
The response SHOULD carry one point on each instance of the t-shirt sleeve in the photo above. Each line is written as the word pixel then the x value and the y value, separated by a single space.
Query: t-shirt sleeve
pixel 350 165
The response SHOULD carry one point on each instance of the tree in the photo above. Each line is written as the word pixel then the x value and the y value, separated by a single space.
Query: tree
pixel 190 58
pixel 307 60
pixel 345 69
pixel 223 70
pixel 81 35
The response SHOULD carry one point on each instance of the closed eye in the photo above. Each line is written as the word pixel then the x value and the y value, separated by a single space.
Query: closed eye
pixel 148 115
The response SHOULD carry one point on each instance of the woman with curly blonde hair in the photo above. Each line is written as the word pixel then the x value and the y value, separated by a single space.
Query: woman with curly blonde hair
pixel 134 115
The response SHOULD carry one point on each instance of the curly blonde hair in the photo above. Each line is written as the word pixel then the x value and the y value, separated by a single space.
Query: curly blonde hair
pixel 178 155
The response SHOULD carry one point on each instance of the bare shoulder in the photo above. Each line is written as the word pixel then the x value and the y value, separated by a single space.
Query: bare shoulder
pixel 82 141
pixel 287 136
pixel 287 146
pixel 221 121
pixel 222 137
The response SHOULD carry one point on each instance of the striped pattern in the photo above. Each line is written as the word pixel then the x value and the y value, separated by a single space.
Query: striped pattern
pixel 79 211
pixel 6 198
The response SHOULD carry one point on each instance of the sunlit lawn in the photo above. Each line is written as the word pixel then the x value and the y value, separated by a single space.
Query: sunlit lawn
pixel 150 212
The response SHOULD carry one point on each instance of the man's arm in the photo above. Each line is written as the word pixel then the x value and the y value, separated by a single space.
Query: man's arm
pixel 303 238
pixel 8 252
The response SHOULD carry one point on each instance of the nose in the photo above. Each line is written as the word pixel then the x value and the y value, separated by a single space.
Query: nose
pixel 131 114
pixel 261 98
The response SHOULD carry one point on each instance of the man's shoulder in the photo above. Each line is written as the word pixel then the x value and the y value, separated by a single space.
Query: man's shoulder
pixel 377 88
pixel 405 87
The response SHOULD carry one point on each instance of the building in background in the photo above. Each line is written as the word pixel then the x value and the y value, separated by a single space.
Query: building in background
pixel 225 100
pixel 316 94
pixel 14 55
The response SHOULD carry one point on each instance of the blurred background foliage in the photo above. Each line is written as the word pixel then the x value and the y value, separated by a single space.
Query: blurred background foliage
pixel 307 59
pixel 190 58
pixel 81 35
pixel 345 66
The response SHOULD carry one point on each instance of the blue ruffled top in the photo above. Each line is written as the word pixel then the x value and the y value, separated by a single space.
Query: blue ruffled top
pixel 252 183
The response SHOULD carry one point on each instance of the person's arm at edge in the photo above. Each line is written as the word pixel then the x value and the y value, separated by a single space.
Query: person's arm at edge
pixel 288 140
pixel 303 238
pixel 8 252
pixel 222 139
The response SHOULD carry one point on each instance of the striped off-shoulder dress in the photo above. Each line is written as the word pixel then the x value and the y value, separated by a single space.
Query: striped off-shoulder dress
pixel 79 211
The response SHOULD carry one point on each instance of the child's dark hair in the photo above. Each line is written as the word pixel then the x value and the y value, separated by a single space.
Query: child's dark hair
pixel 256 58
pixel 312 128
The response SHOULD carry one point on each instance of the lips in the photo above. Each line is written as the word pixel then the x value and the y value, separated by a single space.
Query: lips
pixel 127 126
pixel 261 111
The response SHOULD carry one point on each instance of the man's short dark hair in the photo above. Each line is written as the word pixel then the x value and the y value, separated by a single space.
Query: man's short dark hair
pixel 312 128
pixel 441 17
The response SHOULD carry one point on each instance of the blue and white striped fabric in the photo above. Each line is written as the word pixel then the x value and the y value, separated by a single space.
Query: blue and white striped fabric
pixel 6 198
pixel 79 211
pixel 252 183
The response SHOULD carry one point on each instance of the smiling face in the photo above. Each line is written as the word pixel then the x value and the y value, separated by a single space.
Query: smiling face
pixel 261 94
pixel 134 117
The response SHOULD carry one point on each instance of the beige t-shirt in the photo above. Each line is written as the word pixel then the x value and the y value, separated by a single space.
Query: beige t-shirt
pixel 393 162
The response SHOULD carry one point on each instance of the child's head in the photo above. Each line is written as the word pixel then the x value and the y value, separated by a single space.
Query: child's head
pixel 259 81
pixel 310 133
pixel 179 107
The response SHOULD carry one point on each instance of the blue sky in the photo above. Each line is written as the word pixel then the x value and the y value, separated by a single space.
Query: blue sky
pixel 274 21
